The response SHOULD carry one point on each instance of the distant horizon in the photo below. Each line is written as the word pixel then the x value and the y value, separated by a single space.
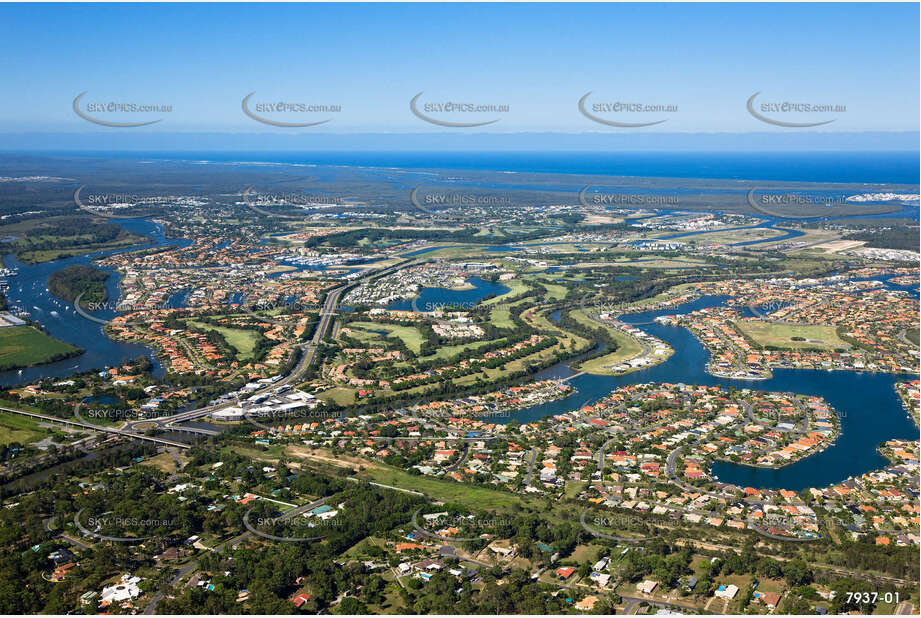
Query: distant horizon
pixel 521 141
pixel 889 167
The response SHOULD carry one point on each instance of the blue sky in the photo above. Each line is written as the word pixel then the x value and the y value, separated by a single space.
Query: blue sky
pixel 538 59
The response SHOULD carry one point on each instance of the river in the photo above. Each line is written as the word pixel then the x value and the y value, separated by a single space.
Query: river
pixel 867 405
pixel 28 290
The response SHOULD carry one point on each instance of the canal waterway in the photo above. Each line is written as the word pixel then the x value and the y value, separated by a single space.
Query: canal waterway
pixel 28 291
pixel 867 405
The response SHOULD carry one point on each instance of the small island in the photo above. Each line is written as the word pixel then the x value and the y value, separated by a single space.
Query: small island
pixel 71 282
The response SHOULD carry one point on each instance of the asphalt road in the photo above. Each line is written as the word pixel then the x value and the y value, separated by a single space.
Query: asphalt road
pixel 527 480
pixel 327 317
pixel 120 432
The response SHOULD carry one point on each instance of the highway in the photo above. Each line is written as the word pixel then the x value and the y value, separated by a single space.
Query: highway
pixel 309 350
pixel 327 315
pixel 120 432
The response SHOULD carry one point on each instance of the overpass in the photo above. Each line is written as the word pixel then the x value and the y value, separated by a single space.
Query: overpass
pixel 327 315
pixel 196 430
pixel 112 430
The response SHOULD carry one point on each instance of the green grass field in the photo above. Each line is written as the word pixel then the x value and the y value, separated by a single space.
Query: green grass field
pixel 627 347
pixel 25 346
pixel 242 340
pixel 341 395
pixel 363 335
pixel 515 287
pixel 410 335
pixel 555 291
pixel 450 350
pixel 501 316
pixel 780 335
pixel 448 491
pixel 21 429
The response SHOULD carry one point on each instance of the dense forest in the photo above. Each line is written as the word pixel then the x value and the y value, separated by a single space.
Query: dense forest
pixel 889 238
pixel 71 281
pixel 68 233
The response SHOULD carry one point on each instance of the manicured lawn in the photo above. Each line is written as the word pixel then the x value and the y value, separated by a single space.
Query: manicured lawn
pixel 571 276
pixel 341 395
pixel 538 319
pixel 627 347
pixel 501 316
pixel 780 335
pixel 450 350
pixel 555 291
pixel 25 346
pixel 410 335
pixel 240 339
pixel 515 287
pixel 363 335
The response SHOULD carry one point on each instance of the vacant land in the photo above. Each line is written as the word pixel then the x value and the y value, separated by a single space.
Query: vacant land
pixel 165 462
pixel 20 429
pixel 839 245
pixel 448 491
pixel 25 346
pixel 782 335
pixel 732 236
pixel 242 340
pixel 627 347
pixel 410 335
pixel 341 395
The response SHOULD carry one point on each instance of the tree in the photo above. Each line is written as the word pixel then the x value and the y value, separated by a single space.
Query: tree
pixel 797 573
pixel 351 606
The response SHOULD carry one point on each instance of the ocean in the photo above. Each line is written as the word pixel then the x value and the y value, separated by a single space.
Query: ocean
pixel 901 167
